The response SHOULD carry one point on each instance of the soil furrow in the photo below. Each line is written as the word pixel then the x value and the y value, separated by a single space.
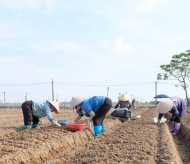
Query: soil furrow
pixel 182 140
pixel 134 141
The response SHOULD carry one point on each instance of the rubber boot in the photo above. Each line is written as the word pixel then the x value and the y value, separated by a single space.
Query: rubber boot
pixel 26 127
pixel 97 130
pixel 176 128
pixel 103 128
pixel 35 126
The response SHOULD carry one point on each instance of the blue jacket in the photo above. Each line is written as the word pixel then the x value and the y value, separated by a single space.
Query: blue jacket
pixel 91 104
pixel 178 109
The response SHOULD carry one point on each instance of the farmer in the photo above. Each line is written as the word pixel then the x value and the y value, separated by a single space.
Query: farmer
pixel 174 105
pixel 32 111
pixel 122 108
pixel 123 102
pixel 133 103
pixel 94 108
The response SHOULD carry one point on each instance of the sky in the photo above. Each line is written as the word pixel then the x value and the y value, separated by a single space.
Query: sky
pixel 89 48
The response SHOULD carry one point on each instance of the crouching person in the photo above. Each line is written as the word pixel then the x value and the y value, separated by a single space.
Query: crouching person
pixel 122 108
pixel 32 111
pixel 94 108
pixel 174 105
pixel 123 102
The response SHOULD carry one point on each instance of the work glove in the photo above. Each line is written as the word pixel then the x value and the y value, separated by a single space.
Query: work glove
pixel 40 120
pixel 89 124
pixel 56 123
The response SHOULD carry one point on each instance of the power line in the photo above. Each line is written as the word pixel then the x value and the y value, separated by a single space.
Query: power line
pixel 29 84
pixel 88 83
pixel 80 84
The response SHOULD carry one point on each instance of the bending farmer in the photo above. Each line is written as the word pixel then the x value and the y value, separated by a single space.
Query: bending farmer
pixel 174 105
pixel 32 111
pixel 94 108
pixel 123 112
pixel 123 102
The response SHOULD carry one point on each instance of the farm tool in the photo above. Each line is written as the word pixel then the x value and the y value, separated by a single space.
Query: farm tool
pixel 123 119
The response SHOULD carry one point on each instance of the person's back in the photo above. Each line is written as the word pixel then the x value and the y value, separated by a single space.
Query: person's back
pixel 180 104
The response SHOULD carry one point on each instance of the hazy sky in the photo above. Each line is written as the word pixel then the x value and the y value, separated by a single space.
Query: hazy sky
pixel 87 46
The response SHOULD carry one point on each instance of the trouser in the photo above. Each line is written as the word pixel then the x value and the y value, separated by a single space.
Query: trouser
pixel 28 114
pixel 101 113
pixel 177 119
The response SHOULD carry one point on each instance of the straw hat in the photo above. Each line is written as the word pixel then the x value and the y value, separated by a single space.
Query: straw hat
pixel 75 101
pixel 123 97
pixel 165 105
pixel 55 104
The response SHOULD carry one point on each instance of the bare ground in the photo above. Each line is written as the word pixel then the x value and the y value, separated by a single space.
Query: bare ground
pixel 134 141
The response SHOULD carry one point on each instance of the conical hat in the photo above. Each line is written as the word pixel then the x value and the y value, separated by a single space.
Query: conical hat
pixel 75 101
pixel 123 97
pixel 55 104
pixel 165 105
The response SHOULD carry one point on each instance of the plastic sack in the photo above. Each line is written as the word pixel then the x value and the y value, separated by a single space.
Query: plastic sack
pixel 122 109
pixel 121 113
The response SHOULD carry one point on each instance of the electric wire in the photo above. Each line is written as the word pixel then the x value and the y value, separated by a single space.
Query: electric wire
pixel 89 84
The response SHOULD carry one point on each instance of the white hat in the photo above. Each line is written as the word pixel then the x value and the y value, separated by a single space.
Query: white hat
pixel 123 97
pixel 75 101
pixel 55 104
pixel 165 105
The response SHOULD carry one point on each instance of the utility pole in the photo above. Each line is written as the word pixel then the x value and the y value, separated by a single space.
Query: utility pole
pixel 4 98
pixel 65 104
pixel 52 91
pixel 26 97
pixel 156 90
pixel 107 91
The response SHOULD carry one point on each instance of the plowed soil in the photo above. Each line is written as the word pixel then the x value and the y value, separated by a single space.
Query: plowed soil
pixel 134 141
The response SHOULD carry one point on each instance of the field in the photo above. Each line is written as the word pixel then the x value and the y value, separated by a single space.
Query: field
pixel 133 142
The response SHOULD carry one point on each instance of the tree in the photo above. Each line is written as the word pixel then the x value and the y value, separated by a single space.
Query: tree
pixel 179 68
